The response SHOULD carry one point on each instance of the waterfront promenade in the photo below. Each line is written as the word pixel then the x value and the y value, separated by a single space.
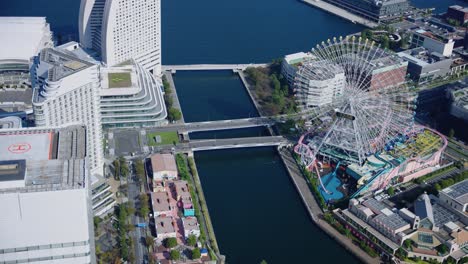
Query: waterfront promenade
pixel 314 209
pixel 341 13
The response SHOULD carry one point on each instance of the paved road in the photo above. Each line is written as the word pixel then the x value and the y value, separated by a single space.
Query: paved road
pixel 139 234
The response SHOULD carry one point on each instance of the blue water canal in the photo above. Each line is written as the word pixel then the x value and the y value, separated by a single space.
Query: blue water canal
pixel 256 212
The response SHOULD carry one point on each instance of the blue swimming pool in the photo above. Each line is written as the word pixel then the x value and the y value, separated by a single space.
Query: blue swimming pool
pixel 331 182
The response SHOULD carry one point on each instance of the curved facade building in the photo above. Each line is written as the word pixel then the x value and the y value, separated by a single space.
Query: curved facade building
pixel 66 91
pixel 122 30
pixel 131 97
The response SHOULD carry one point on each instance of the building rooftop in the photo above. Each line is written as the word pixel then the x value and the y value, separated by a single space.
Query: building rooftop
pixel 374 205
pixel 421 56
pixel 458 192
pixel 164 225
pixel 190 223
pixel 160 201
pixel 442 215
pixel 34 146
pixel 54 159
pixel 299 57
pixel 23 37
pixel 43 218
pixel 182 189
pixel 391 220
pixel 10 122
pixel 163 162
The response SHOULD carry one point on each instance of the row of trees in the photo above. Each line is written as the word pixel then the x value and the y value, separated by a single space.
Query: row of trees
pixel 433 174
pixel 451 181
pixel 123 227
pixel 173 114
pixel 182 167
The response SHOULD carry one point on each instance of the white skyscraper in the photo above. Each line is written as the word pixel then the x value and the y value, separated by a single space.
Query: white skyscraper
pixel 66 90
pixel 122 30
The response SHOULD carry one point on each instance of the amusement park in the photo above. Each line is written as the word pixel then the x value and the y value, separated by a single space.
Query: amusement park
pixel 364 139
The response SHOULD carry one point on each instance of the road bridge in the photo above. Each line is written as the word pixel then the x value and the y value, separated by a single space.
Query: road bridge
pixel 208 67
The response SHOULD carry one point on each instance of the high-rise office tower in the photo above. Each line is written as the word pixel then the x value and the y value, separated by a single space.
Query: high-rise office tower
pixel 121 30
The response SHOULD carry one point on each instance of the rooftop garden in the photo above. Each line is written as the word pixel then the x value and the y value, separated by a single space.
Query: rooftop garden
pixel 119 79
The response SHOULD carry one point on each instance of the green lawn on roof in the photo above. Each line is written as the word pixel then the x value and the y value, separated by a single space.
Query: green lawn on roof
pixel 167 138
pixel 119 79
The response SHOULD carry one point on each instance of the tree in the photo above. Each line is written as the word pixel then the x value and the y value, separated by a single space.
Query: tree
pixel 437 187
pixel 174 114
pixel 408 243
pixel 116 164
pixel 144 207
pixel 149 240
pixel 348 233
pixel 385 42
pixel 391 191
pixel 175 255
pixel 140 170
pixel 192 240
pixel 196 254
pixel 170 242
pixel 366 34
pixel 451 133
pixel 263 262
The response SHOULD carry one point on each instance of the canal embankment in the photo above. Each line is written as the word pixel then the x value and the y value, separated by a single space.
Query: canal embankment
pixel 207 225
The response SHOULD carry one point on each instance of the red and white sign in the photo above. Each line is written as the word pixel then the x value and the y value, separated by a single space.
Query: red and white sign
pixel 19 148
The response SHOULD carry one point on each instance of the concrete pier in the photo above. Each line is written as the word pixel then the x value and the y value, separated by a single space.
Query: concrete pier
pixel 332 9
pixel 314 209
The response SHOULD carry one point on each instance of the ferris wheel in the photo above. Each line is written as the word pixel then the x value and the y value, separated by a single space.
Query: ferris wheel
pixel 357 104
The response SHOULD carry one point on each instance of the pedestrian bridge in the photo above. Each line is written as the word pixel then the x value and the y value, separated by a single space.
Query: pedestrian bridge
pixel 208 67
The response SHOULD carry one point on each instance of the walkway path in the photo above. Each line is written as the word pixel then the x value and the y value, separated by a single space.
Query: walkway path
pixel 314 209
pixel 341 13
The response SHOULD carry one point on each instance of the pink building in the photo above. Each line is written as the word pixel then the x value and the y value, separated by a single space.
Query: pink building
pixel 165 227
pixel 161 203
